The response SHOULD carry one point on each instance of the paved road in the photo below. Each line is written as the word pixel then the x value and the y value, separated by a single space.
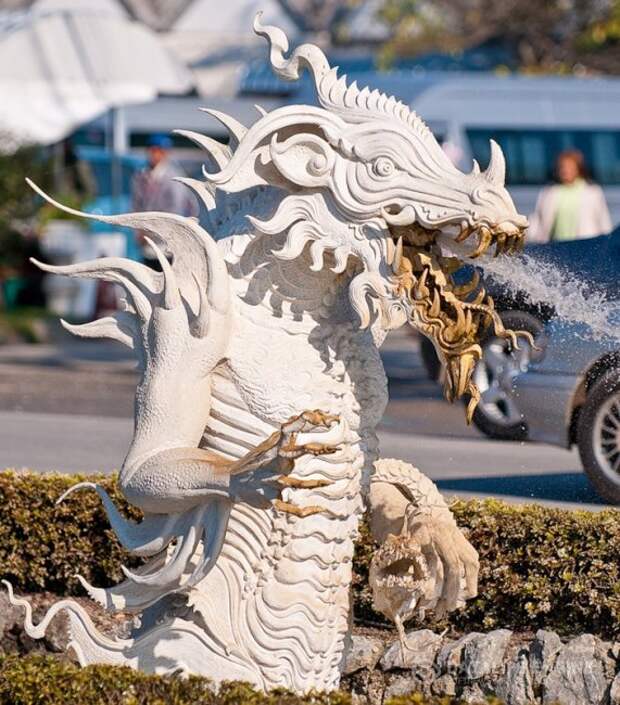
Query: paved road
pixel 68 408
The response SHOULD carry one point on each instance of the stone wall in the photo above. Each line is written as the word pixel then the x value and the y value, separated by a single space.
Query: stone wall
pixel 542 669
pixel 520 669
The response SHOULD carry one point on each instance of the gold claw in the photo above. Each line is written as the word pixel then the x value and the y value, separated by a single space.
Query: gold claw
pixel 466 289
pixel 500 245
pixel 318 448
pixel 480 296
pixel 288 481
pixel 436 305
pixel 474 398
pixel 319 418
pixel 421 290
pixel 463 235
pixel 301 512
pixel 292 450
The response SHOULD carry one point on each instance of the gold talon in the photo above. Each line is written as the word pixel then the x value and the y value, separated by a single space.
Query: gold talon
pixel 319 418
pixel 318 448
pixel 289 481
pixel 301 512
pixel 291 450
pixel 463 235
pixel 290 447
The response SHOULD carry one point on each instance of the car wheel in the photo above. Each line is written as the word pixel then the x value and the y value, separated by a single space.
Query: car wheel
pixel 497 414
pixel 598 436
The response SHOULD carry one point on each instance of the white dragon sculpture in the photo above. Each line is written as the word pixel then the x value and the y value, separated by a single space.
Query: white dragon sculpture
pixel 261 385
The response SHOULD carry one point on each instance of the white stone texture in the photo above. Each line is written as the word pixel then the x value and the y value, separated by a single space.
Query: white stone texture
pixel 362 652
pixel 417 653
pixel 515 686
pixel 484 654
pixel 543 653
pixel 581 673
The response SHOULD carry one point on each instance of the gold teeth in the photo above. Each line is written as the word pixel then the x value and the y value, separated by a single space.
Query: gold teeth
pixel 505 243
pixel 458 371
pixel 484 241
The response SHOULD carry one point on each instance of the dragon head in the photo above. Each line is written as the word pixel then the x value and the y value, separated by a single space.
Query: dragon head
pixel 363 177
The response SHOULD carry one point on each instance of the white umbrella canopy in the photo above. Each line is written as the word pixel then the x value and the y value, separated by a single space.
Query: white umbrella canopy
pixel 64 62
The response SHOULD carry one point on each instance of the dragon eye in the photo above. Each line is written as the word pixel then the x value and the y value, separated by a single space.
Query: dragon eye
pixel 383 166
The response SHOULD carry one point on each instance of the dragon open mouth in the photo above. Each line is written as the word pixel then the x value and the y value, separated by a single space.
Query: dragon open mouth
pixel 453 317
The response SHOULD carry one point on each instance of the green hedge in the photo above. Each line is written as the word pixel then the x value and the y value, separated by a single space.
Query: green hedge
pixel 540 567
pixel 44 545
pixel 37 680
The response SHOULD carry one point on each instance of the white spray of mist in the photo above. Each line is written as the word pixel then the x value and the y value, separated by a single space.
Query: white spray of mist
pixel 543 282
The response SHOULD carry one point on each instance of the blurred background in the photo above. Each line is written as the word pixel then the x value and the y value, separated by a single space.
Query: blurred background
pixel 91 92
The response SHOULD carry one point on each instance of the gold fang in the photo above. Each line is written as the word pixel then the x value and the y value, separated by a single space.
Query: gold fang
pixel 440 310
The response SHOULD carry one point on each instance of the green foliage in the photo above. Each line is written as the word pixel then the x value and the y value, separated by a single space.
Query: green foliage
pixel 603 32
pixel 43 545
pixel 23 323
pixel 545 37
pixel 18 203
pixel 539 567
pixel 37 680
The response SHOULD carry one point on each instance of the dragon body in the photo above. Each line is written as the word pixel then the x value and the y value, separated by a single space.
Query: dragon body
pixel 261 386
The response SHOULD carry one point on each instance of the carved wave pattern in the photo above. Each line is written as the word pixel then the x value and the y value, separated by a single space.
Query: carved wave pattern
pixel 279 585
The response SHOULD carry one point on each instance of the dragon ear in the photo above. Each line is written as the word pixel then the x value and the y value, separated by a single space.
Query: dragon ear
pixel 305 159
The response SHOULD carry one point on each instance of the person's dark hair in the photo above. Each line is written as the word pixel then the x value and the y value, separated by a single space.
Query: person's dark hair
pixel 577 157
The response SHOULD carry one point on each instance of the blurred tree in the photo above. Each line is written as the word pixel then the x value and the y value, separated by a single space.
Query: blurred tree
pixel 554 35
pixel 18 203
pixel 316 15
pixel 599 44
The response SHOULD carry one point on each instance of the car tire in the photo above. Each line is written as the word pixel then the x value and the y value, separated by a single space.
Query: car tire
pixel 598 436
pixel 501 419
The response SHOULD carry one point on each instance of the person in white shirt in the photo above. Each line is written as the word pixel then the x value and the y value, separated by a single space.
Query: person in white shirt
pixel 573 208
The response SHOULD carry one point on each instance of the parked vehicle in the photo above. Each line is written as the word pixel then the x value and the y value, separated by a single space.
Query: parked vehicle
pixel 571 395
pixel 469 109
pixel 568 391
pixel 498 415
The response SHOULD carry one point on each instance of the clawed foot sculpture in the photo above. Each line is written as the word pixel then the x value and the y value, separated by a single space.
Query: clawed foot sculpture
pixel 424 561
pixel 451 560
pixel 309 433
pixel 429 566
